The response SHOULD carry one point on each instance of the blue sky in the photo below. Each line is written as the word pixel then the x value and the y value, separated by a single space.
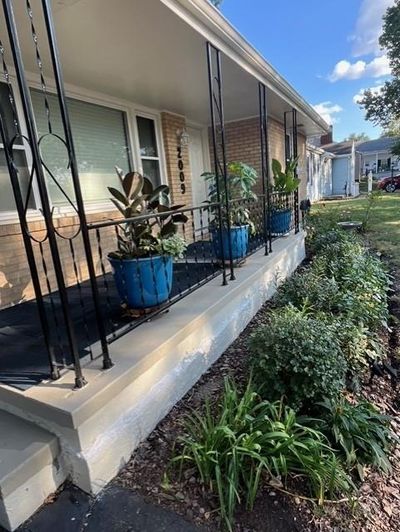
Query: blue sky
pixel 327 49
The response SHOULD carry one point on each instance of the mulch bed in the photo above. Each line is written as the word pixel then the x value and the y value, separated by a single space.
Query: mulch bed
pixel 377 508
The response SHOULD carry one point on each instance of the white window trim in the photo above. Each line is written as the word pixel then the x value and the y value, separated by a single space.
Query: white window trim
pixel 156 117
pixel 131 110
pixel 11 217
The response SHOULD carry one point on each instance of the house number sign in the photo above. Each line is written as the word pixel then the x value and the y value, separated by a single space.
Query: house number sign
pixel 180 168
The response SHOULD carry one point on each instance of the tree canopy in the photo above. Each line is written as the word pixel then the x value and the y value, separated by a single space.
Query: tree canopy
pixel 393 130
pixel 357 137
pixel 383 107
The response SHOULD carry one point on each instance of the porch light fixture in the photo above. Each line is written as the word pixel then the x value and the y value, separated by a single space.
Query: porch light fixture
pixel 183 137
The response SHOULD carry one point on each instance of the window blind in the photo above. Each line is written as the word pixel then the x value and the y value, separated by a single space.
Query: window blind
pixel 100 141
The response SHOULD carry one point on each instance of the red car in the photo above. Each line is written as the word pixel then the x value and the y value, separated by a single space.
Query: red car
pixel 390 184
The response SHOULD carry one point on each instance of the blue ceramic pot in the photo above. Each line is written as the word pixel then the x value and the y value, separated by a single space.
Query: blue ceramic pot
pixel 239 238
pixel 281 221
pixel 145 282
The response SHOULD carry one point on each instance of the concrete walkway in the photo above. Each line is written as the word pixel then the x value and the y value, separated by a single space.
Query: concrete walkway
pixel 117 509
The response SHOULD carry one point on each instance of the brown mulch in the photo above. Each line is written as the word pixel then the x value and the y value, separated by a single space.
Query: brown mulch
pixel 376 508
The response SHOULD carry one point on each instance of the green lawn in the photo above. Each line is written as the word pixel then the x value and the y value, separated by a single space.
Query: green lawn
pixel 384 223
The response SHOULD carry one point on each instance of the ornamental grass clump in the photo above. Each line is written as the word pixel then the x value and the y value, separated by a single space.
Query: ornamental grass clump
pixel 298 356
pixel 245 441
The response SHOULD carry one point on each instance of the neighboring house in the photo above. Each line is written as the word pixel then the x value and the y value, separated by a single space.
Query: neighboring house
pixel 139 91
pixel 349 162
pixel 376 155
pixel 346 164
pixel 319 173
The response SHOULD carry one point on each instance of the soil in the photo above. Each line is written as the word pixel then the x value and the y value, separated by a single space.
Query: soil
pixel 377 504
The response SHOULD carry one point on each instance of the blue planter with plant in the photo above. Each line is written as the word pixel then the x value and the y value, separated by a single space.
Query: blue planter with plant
pixel 280 221
pixel 238 193
pixel 143 283
pixel 143 263
pixel 285 184
pixel 239 241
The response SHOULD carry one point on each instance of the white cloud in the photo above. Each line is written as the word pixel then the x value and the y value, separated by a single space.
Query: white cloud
pixel 379 66
pixel 327 110
pixel 376 89
pixel 369 27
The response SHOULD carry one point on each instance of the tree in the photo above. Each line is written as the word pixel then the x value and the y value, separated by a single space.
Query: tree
pixel 393 130
pixel 216 3
pixel 396 149
pixel 383 107
pixel 357 137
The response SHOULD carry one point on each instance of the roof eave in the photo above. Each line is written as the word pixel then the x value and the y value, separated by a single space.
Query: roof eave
pixel 209 21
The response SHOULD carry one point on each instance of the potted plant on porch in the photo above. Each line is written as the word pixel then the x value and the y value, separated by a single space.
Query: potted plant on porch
pixel 285 183
pixel 241 179
pixel 142 265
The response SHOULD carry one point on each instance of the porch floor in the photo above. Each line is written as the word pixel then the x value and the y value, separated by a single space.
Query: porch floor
pixel 23 358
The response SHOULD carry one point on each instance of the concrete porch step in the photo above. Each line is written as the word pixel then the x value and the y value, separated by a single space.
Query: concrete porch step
pixel 29 469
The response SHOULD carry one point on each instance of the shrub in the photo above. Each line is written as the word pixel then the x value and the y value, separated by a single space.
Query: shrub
pixel 362 282
pixel 247 438
pixel 318 223
pixel 297 356
pixel 308 290
pixel 359 432
pixel 344 241
pixel 359 346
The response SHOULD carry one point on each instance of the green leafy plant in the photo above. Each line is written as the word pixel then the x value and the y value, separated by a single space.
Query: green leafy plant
pixel 359 432
pixel 285 181
pixel 298 356
pixel 321 297
pixel 309 290
pixel 360 347
pixel 241 179
pixel 360 276
pixel 246 440
pixel 156 234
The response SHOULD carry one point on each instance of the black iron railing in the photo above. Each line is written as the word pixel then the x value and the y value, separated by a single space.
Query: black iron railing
pixel 137 289
pixel 80 313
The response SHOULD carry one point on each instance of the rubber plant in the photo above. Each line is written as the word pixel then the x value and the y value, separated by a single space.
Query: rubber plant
pixel 147 240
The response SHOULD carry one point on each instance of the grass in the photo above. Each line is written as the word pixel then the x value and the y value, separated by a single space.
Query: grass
pixel 384 223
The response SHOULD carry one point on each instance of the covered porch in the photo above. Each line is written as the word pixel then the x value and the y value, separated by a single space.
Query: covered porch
pixel 186 108
pixel 166 88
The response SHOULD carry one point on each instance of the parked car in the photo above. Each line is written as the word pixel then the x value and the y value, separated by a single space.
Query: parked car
pixel 390 184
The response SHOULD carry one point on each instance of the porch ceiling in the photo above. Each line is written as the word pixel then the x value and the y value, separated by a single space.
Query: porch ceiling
pixel 142 52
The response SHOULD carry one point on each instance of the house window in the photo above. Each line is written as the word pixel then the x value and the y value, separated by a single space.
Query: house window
pixel 149 153
pixel 101 143
pixel 6 194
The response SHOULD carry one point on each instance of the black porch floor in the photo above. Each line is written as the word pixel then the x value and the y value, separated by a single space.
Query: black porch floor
pixel 23 358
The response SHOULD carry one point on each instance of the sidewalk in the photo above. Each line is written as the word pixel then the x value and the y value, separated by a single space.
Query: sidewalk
pixel 116 509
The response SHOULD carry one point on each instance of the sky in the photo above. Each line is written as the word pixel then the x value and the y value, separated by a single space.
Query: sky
pixel 327 49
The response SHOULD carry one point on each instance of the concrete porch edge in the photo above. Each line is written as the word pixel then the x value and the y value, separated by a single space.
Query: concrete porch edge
pixel 99 426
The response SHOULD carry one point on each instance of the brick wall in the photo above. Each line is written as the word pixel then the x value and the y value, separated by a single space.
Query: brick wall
pixel 171 124
pixel 243 144
pixel 15 279
pixel 178 167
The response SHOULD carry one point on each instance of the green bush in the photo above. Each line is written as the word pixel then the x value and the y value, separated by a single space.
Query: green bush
pixel 308 290
pixel 297 356
pixel 359 432
pixel 335 237
pixel 362 283
pixel 247 439
pixel 318 223
pixel 359 347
